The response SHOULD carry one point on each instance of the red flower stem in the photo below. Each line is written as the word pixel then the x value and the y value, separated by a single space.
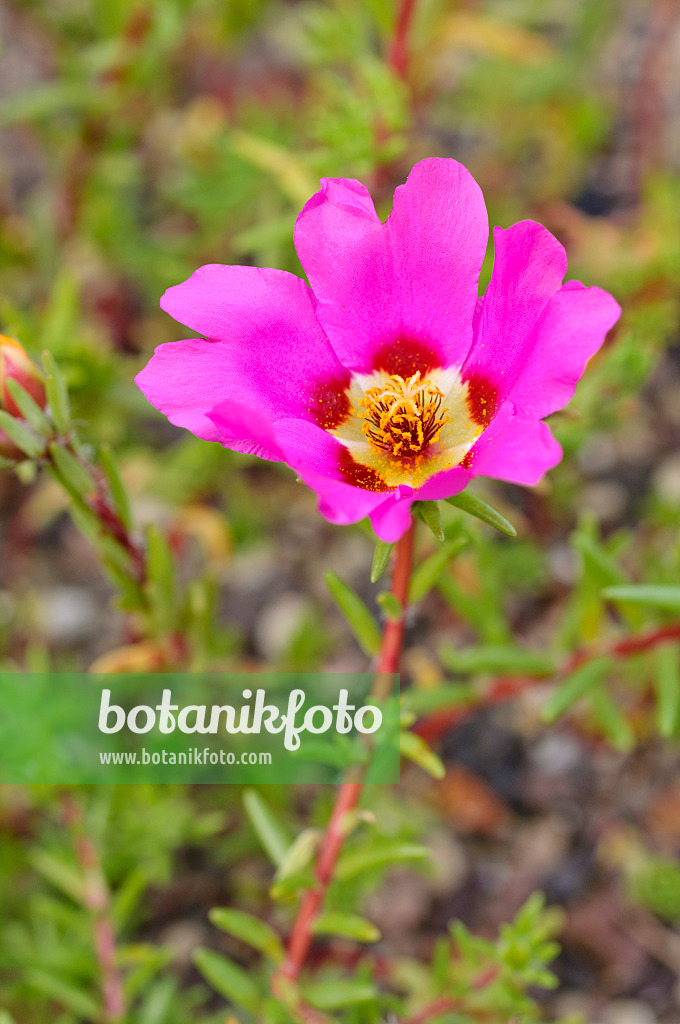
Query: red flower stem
pixel 398 56
pixel 393 636
pixel 350 791
pixel 96 899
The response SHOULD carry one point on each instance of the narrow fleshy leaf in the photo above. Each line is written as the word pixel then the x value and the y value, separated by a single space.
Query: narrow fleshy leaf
pixel 578 685
pixel 249 929
pixel 427 574
pixel 390 604
pixel 161 577
pixel 447 695
pixel 271 833
pixel 296 859
pixel 24 438
pixel 667 688
pixel 416 749
pixel 116 486
pixel 661 595
pixel 29 409
pixel 227 978
pixel 499 658
pixel 481 509
pixel 359 618
pixel 381 557
pixel 611 720
pixel 353 863
pixel 59 873
pixel 348 926
pixel 600 562
pixel 73 474
pixel 428 512
pixel 57 394
pixel 336 993
pixel 64 994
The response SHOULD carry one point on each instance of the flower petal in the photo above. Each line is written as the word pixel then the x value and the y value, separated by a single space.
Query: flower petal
pixel 529 267
pixel 401 295
pixel 392 518
pixel 445 485
pixel 315 455
pixel 185 379
pixel 515 448
pixel 573 326
pixel 266 351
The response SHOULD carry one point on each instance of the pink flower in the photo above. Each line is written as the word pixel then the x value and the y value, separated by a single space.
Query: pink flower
pixel 388 380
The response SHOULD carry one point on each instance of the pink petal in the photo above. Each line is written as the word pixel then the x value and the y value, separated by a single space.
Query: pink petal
pixel 398 295
pixel 266 351
pixel 572 328
pixel 313 454
pixel 444 485
pixel 185 379
pixel 392 518
pixel 515 448
pixel 528 269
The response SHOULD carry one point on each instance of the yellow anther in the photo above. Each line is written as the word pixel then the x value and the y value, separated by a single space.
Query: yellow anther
pixel 401 416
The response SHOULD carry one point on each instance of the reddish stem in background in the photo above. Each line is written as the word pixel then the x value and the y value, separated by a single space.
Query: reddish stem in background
pixel 96 899
pixel 350 791
pixel 433 727
pixel 398 55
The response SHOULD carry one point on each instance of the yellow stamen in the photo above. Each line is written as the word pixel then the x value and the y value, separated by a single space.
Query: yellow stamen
pixel 401 416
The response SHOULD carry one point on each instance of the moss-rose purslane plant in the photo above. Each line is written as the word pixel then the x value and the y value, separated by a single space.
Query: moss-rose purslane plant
pixel 388 379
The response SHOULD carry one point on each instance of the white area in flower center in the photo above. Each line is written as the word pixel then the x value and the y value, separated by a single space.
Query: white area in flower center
pixel 409 396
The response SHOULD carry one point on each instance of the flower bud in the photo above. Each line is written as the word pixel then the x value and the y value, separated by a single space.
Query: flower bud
pixel 145 656
pixel 16 364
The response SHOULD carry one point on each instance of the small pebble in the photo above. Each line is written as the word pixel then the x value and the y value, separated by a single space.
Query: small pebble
pixel 627 1011
pixel 666 480
pixel 278 623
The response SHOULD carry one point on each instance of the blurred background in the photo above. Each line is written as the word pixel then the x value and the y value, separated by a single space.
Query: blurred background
pixel 141 140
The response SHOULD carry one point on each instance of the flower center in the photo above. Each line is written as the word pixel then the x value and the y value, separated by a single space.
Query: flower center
pixel 401 416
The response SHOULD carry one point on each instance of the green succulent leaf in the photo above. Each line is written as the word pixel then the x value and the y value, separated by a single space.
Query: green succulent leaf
pixel 390 604
pixel 70 471
pixel 22 436
pixel 579 684
pixel 117 487
pixel 249 929
pixel 273 836
pixel 57 394
pixel 660 595
pixel 496 658
pixel 428 513
pixel 227 978
pixel 347 926
pixel 357 861
pixel 337 993
pixel 416 749
pixel 481 509
pixel 29 409
pixel 667 689
pixel 355 611
pixel 381 557
pixel 427 574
